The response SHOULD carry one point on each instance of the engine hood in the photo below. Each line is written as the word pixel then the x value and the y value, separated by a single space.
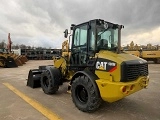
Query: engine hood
pixel 119 58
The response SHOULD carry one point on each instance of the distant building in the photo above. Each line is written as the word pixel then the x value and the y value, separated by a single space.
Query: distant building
pixel 37 54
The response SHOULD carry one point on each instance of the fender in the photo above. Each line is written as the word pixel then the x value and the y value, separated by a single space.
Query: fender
pixel 92 77
pixel 56 75
pixel 87 73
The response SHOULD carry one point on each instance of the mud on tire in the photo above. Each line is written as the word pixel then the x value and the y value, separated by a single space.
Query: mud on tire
pixel 47 83
pixel 85 94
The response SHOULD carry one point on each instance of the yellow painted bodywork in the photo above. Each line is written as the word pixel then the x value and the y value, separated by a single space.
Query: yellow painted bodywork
pixel 112 91
pixel 19 59
pixel 61 63
pixel 136 53
pixel 118 58
pixel 109 83
pixel 2 61
pixel 151 54
pixel 145 54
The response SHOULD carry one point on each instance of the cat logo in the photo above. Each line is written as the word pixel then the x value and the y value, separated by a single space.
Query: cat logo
pixel 101 65
pixel 107 66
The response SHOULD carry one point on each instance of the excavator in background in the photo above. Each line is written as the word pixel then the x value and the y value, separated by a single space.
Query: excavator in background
pixel 94 66
pixel 9 59
pixel 149 52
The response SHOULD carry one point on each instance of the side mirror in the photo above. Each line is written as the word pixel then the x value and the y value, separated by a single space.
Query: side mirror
pixel 66 33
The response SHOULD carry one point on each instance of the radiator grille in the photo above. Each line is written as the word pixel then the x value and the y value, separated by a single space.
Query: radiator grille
pixel 134 71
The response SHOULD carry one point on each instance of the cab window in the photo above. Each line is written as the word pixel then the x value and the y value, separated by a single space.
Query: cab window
pixel 80 36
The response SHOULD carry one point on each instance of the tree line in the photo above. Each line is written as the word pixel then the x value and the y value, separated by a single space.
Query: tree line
pixel 3 45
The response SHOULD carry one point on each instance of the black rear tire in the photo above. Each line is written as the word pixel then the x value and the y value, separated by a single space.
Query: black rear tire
pixel 47 83
pixel 85 94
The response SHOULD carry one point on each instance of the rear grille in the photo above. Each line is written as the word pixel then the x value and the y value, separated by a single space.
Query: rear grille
pixel 131 70
pixel 134 71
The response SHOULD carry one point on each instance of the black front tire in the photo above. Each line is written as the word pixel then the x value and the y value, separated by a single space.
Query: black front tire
pixel 47 83
pixel 85 94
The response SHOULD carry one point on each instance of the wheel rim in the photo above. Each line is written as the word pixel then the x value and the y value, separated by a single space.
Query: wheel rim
pixel 81 94
pixel 45 81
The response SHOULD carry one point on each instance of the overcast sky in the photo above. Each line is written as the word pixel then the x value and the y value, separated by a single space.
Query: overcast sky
pixel 42 22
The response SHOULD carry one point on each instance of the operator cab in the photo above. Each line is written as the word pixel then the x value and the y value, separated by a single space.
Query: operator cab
pixel 91 37
pixel 107 37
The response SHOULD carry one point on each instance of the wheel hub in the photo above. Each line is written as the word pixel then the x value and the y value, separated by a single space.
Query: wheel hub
pixel 82 94
pixel 45 81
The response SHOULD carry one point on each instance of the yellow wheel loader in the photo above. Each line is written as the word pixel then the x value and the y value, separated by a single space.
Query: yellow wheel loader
pixel 94 66
pixel 7 61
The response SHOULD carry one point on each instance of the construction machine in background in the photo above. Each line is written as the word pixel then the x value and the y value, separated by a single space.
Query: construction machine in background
pixel 94 65
pixel 19 59
pixel 9 59
pixel 5 59
pixel 151 55
pixel 136 53
pixel 134 50
pixel 149 52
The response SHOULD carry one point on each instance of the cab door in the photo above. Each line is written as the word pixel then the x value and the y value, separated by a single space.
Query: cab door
pixel 79 48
